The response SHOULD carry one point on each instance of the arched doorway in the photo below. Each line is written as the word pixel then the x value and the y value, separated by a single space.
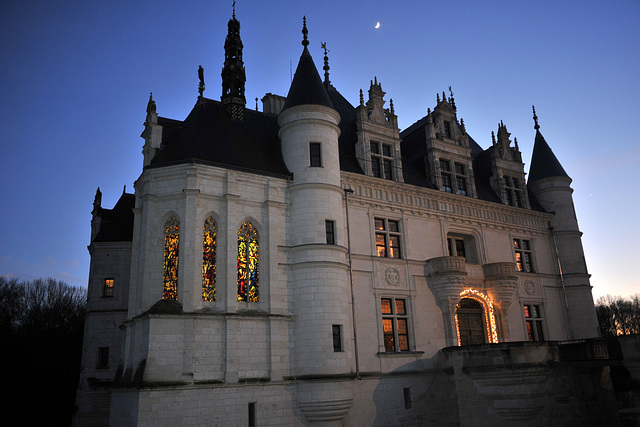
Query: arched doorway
pixel 470 322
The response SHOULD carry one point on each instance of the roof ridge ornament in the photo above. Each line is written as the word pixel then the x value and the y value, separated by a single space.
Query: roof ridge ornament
pixel 201 86
pixel 327 82
pixel 536 126
pixel 234 9
pixel 305 32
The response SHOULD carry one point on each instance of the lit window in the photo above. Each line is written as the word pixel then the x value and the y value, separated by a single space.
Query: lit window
pixel 513 191
pixel 315 155
pixel 395 324
pixel 330 232
pixel 248 257
pixel 387 238
pixel 107 289
pixel 171 241
pixel 381 160
pixel 523 254
pixel 337 337
pixel 209 260
pixel 533 319
pixel 103 358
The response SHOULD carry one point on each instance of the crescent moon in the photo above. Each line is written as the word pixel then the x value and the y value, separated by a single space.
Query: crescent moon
pixel 377 25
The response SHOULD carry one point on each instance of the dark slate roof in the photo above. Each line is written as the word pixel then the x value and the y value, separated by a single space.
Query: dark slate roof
pixel 348 131
pixel 208 135
pixel 544 163
pixel 116 225
pixel 307 87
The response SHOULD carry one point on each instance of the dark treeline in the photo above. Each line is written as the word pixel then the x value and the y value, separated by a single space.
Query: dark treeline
pixel 41 327
pixel 618 315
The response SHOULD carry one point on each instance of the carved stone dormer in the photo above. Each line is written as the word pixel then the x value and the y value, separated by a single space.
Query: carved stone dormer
pixel 152 133
pixel 378 146
pixel 449 164
pixel 507 169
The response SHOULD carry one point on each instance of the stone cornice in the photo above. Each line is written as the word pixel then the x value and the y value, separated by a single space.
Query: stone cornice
pixel 433 203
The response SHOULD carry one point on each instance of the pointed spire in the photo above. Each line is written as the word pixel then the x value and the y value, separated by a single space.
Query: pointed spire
pixel 438 98
pixel 451 100
pixel 234 9
pixel 544 164
pixel 361 97
pixel 306 87
pixel 97 200
pixel 536 126
pixel 493 138
pixel 391 106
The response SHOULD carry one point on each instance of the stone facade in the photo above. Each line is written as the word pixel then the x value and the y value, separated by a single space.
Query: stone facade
pixel 377 249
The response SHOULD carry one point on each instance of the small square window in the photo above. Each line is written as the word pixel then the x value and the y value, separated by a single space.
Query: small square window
pixel 330 232
pixel 315 155
pixel 103 358
pixel 337 337
pixel 107 289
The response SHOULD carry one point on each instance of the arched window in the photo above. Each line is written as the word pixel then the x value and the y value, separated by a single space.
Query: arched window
pixel 209 260
pixel 247 263
pixel 171 240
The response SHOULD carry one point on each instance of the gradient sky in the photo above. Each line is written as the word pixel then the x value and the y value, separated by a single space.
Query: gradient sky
pixel 75 78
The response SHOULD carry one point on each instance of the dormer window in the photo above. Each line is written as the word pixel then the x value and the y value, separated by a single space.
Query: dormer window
pixel 381 160
pixel 513 191
pixel 454 180
pixel 447 129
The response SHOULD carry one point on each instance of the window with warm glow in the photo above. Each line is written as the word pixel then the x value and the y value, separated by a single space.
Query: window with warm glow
pixel 209 260
pixel 523 254
pixel 533 319
pixel 387 238
pixel 107 289
pixel 171 245
pixel 248 257
pixel 395 324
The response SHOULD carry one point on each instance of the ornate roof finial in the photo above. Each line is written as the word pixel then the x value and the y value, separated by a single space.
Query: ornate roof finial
pixel 444 96
pixel 327 82
pixel 391 106
pixel 438 98
pixel 453 103
pixel 234 9
pixel 464 130
pixel 361 97
pixel 536 126
pixel 256 103
pixel 493 138
pixel 515 142
pixel 201 77
pixel 124 190
pixel 305 32
pixel 151 105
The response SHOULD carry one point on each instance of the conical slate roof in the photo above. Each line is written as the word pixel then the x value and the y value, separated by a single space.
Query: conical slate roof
pixel 544 163
pixel 307 87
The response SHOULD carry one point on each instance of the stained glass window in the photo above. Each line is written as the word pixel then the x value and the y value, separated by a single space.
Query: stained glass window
pixel 171 240
pixel 209 260
pixel 248 263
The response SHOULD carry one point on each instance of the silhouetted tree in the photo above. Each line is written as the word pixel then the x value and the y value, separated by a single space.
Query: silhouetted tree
pixel 41 330
pixel 618 316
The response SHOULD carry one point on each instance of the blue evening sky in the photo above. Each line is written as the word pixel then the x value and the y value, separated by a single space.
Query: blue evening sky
pixel 75 78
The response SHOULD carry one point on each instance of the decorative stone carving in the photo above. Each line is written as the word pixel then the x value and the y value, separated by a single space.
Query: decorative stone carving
pixel 529 287
pixel 447 265
pixel 390 276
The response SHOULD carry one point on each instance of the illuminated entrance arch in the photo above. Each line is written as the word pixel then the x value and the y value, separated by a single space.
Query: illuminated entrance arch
pixel 474 306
